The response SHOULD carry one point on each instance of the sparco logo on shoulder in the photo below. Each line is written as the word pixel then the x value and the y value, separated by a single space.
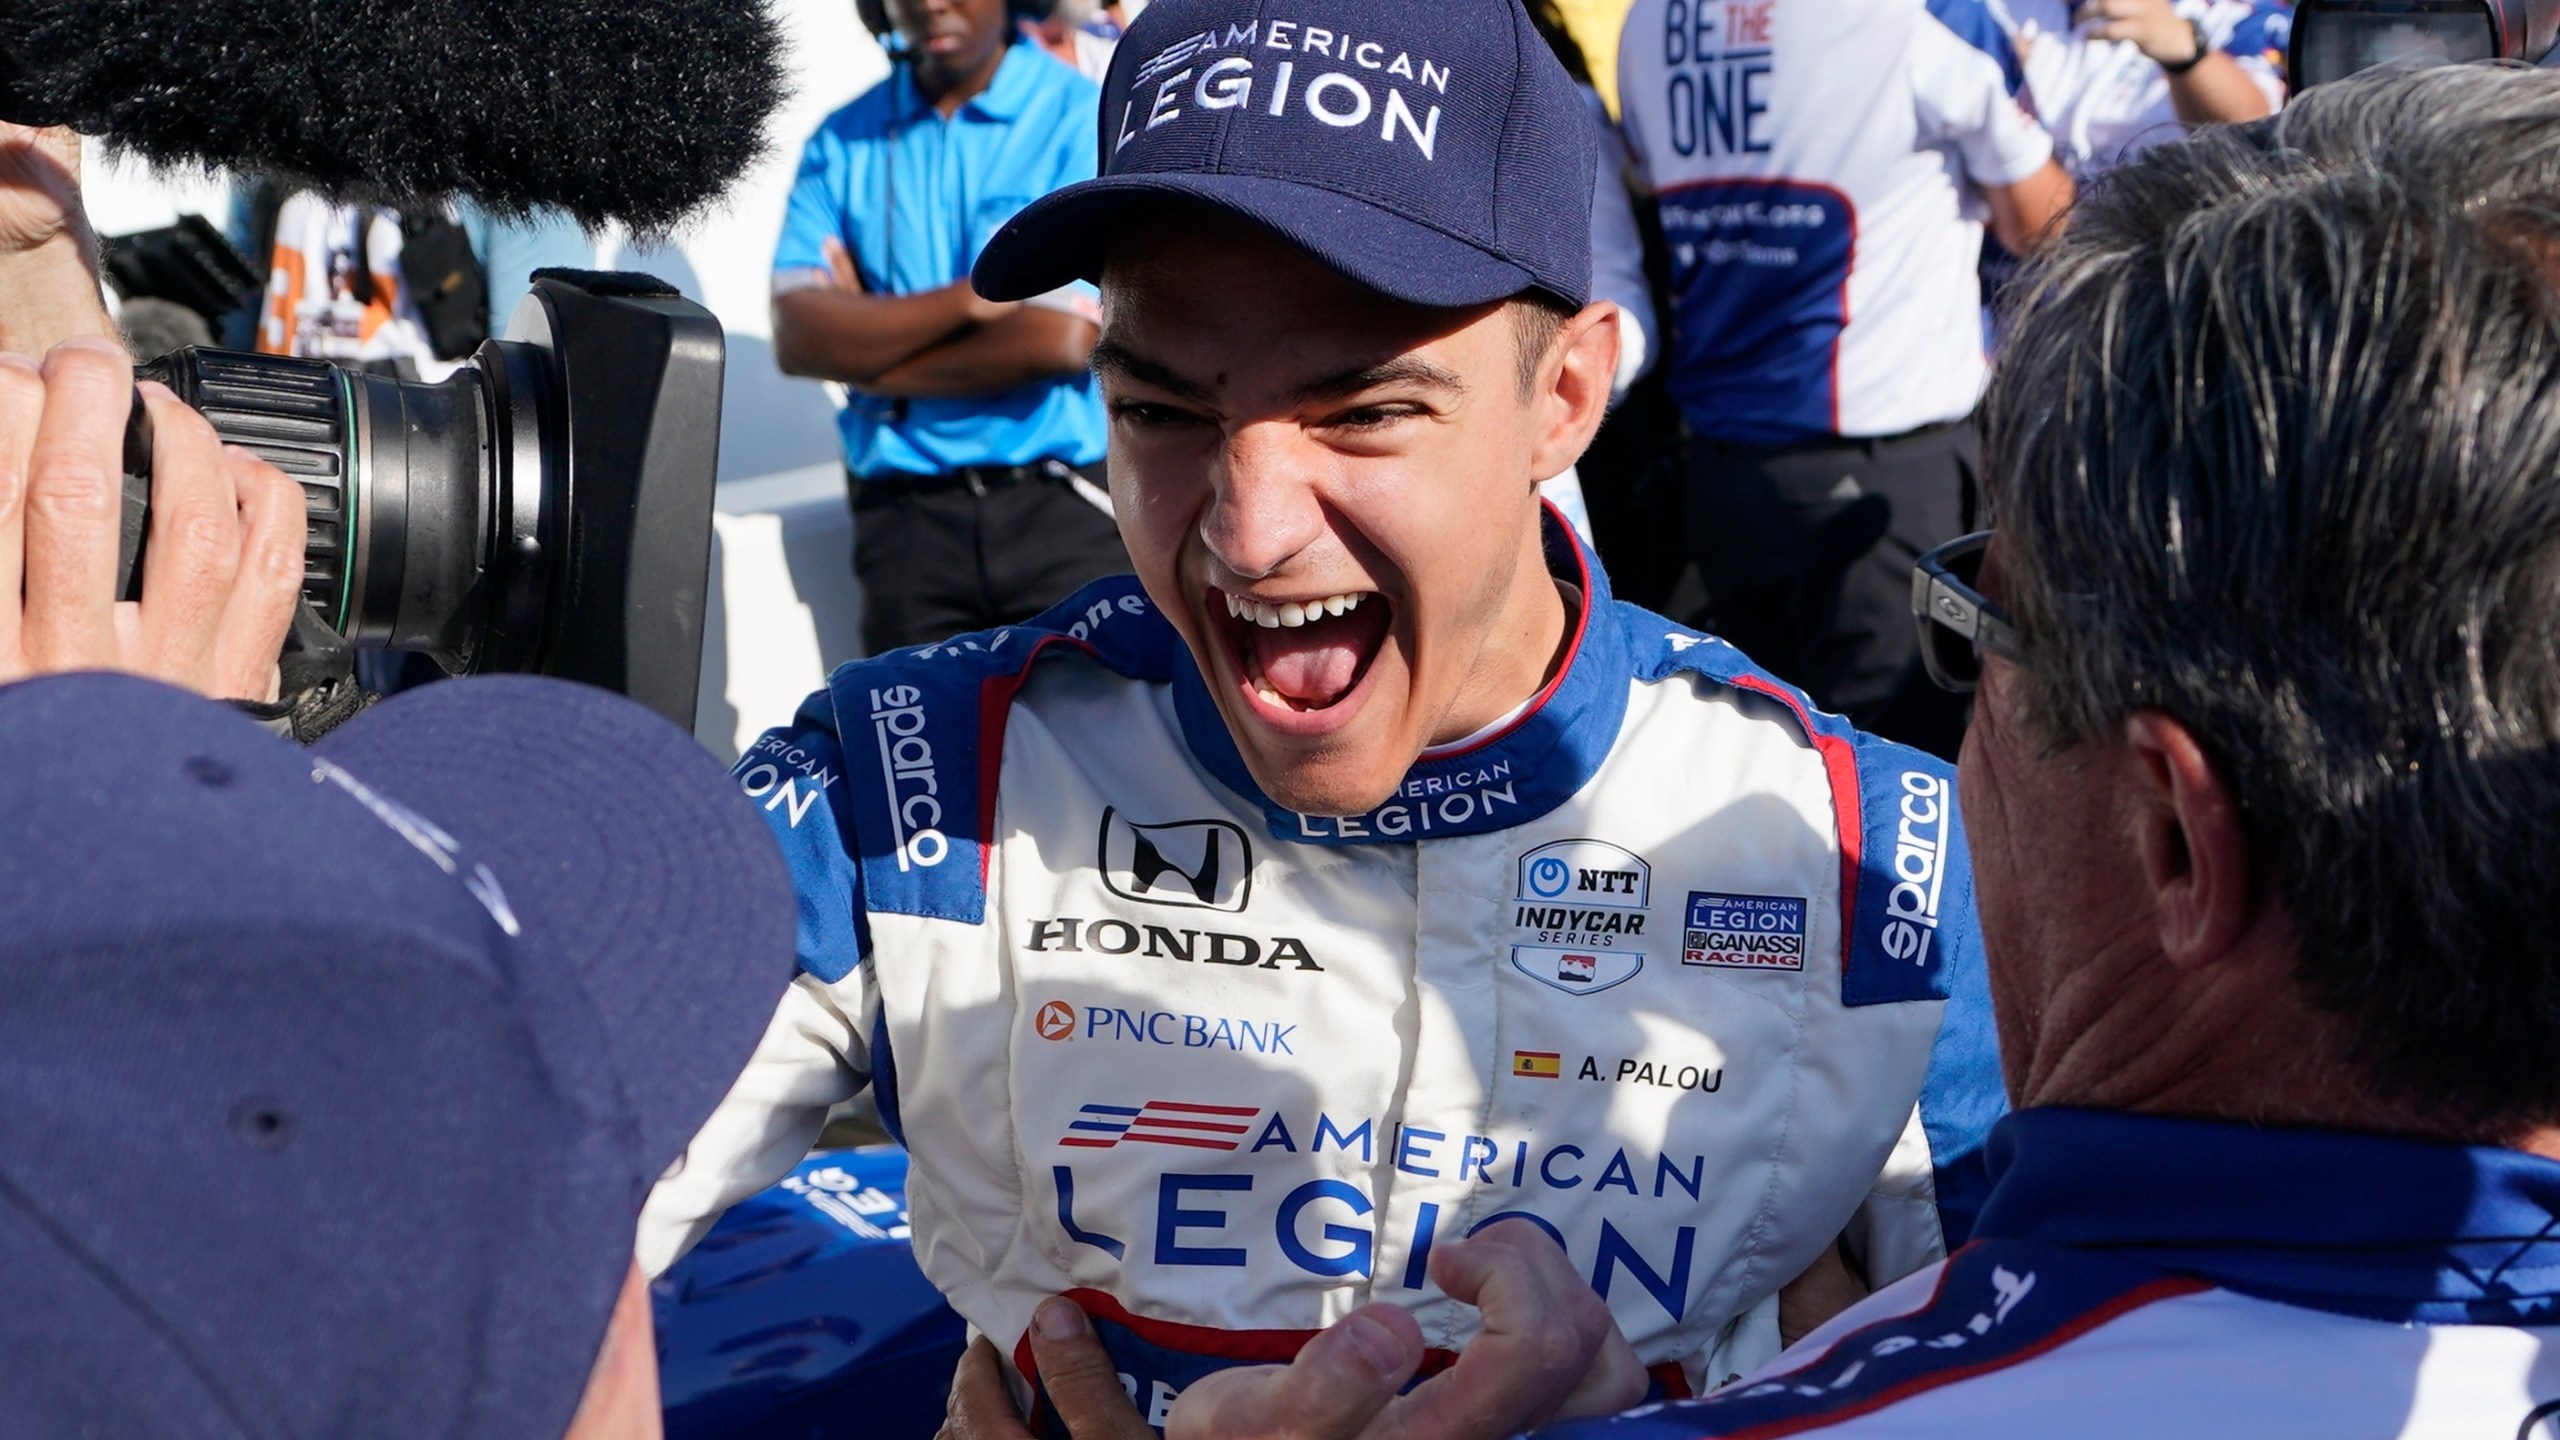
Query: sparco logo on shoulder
pixel 1919 868
pixel 906 767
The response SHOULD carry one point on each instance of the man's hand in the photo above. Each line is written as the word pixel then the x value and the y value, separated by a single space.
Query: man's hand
pixel 39 188
pixel 48 258
pixel 223 569
pixel 1078 1375
pixel 2159 32
pixel 1548 1351
pixel 2213 89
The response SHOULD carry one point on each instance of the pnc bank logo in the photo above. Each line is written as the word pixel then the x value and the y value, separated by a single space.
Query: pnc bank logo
pixel 1189 864
pixel 1056 1021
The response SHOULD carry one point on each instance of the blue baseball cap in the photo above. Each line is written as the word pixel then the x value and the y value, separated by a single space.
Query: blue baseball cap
pixel 332 1080
pixel 1436 153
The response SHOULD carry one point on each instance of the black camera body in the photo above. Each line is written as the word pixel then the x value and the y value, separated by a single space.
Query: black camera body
pixel 2332 39
pixel 546 508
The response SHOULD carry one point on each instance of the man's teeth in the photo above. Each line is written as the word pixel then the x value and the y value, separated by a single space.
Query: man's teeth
pixel 1290 613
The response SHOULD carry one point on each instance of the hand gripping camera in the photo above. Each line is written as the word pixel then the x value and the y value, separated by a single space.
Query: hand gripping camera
pixel 545 508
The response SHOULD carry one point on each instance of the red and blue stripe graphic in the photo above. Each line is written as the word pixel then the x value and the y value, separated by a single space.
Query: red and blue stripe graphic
pixel 1161 1122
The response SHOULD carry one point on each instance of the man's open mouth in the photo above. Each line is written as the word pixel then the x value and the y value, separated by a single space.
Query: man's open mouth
pixel 1307 654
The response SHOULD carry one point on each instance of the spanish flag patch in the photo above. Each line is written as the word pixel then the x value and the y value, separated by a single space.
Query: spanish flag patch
pixel 1537 1064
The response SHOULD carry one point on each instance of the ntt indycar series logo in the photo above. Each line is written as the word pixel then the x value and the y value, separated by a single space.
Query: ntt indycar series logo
pixel 1919 868
pixel 906 767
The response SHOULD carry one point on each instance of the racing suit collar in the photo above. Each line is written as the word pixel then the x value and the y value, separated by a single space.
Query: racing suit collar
pixel 1516 775
pixel 2356 1224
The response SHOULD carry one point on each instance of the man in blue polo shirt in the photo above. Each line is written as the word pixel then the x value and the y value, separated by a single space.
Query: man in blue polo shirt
pixel 973 433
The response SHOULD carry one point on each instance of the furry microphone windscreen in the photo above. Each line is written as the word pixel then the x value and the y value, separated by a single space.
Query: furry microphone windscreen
pixel 633 110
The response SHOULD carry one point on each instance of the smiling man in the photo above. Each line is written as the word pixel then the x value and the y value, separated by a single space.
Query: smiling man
pixel 1231 943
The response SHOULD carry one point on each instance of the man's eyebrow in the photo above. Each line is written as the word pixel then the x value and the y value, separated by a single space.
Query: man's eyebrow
pixel 1402 370
pixel 1110 355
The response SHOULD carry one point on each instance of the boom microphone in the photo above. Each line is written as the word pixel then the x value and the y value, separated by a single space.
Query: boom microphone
pixel 634 110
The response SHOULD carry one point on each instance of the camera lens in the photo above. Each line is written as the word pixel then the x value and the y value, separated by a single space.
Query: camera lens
pixel 428 503
pixel 546 507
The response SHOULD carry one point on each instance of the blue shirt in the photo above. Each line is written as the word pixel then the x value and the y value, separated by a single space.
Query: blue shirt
pixel 913 196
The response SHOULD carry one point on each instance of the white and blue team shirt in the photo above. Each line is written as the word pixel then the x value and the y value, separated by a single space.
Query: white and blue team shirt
pixel 1817 164
pixel 1672 965
pixel 2104 101
pixel 2135 1276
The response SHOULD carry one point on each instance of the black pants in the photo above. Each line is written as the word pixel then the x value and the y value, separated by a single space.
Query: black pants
pixel 940 556
pixel 1806 552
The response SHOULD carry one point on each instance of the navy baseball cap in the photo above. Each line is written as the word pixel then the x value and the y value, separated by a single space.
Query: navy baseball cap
pixel 332 1080
pixel 1436 153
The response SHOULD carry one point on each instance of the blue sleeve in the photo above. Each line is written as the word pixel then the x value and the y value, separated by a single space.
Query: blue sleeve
pixel 795 774
pixel 1973 23
pixel 1918 938
pixel 511 250
pixel 2266 34
pixel 1963 1096
pixel 815 212
pixel 1914 935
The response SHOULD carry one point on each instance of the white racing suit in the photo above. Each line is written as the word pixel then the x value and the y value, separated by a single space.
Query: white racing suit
pixel 1663 967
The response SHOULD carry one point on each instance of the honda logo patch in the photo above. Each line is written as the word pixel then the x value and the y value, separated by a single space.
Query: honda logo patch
pixel 1191 864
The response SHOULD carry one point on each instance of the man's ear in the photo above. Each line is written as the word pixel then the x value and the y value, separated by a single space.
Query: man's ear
pixel 2193 849
pixel 1573 388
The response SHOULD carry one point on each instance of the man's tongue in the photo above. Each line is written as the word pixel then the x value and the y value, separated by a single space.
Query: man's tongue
pixel 1316 664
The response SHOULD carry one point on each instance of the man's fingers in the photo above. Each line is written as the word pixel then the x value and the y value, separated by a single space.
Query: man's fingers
pixel 1341 1381
pixel 74 499
pixel 1079 1377
pixel 194 554
pixel 1546 1342
pixel 274 520
pixel 21 407
pixel 1614 1381
pixel 980 1408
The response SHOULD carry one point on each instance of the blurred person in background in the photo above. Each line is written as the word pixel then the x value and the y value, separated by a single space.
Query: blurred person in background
pixel 410 292
pixel 2110 78
pixel 1594 26
pixel 1081 33
pixel 973 431
pixel 1824 171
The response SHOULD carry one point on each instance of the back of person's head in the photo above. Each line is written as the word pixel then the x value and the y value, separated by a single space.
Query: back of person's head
pixel 331 1081
pixel 2275 448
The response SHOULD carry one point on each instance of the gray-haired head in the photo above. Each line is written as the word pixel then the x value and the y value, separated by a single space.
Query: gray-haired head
pixel 2275 448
